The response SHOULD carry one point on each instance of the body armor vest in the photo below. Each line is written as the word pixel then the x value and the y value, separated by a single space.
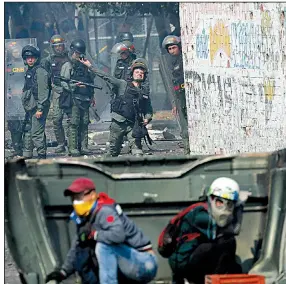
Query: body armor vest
pixel 123 70
pixel 31 81
pixel 178 74
pixel 81 73
pixel 56 65
pixel 129 103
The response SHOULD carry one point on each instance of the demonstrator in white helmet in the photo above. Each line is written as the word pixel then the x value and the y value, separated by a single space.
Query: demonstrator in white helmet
pixel 204 242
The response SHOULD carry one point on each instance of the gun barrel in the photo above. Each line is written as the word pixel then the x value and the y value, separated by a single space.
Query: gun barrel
pixel 75 81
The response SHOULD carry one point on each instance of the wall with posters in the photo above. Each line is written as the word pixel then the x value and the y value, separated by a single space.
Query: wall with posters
pixel 235 74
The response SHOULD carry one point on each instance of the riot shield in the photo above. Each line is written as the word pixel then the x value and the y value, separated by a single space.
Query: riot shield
pixel 114 54
pixel 14 77
pixel 113 60
pixel 165 71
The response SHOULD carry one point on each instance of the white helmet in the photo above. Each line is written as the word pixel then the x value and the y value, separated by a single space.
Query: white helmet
pixel 226 188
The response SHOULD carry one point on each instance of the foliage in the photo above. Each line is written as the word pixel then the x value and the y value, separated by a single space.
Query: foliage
pixel 131 8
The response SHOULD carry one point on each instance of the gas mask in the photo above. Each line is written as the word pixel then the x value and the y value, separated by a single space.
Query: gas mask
pixel 83 208
pixel 221 210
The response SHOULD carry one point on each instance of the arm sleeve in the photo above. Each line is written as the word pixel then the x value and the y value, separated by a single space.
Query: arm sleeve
pixel 46 62
pixel 68 265
pixel 118 85
pixel 111 228
pixel 43 88
pixel 202 221
pixel 66 72
pixel 106 77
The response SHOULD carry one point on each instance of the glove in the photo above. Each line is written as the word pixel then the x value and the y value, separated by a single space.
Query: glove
pixel 57 275
pixel 87 235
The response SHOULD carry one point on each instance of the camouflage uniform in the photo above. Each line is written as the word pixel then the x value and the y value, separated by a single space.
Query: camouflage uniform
pixel 37 81
pixel 123 121
pixel 180 99
pixel 54 63
pixel 79 110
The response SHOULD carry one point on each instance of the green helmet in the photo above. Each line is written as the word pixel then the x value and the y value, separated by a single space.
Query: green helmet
pixel 57 40
pixel 171 40
pixel 139 63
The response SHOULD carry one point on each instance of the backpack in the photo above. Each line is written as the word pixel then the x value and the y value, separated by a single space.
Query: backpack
pixel 168 238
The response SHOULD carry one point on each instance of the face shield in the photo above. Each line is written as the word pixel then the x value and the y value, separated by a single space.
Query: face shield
pixel 58 48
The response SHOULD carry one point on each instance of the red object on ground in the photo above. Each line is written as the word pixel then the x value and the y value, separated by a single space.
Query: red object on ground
pixel 234 279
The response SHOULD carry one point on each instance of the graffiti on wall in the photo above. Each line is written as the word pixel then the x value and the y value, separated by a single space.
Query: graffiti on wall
pixel 202 42
pixel 235 77
pixel 238 44
pixel 220 47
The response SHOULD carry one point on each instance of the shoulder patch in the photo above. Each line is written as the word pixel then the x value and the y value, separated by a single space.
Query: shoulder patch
pixel 110 219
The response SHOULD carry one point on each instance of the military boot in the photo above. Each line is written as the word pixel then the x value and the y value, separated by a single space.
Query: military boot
pixel 73 142
pixel 27 146
pixel 60 149
pixel 60 137
pixel 84 141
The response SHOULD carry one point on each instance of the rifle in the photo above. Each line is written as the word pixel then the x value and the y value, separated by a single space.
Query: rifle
pixel 140 130
pixel 75 81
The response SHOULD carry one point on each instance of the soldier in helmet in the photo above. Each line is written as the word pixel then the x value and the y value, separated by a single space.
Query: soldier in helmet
pixel 122 36
pixel 81 98
pixel 54 62
pixel 130 99
pixel 126 51
pixel 14 90
pixel 173 46
pixel 36 102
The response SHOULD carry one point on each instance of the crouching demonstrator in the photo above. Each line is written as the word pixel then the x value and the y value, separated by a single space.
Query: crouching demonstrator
pixel 200 240
pixel 107 241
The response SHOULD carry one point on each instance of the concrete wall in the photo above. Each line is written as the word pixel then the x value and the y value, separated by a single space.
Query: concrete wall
pixel 235 74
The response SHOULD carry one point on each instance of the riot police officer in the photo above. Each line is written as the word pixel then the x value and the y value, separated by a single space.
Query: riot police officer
pixel 126 51
pixel 36 102
pixel 54 62
pixel 122 36
pixel 130 102
pixel 173 46
pixel 81 98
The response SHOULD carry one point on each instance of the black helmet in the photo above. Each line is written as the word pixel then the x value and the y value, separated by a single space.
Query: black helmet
pixel 124 36
pixel 30 50
pixel 78 45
